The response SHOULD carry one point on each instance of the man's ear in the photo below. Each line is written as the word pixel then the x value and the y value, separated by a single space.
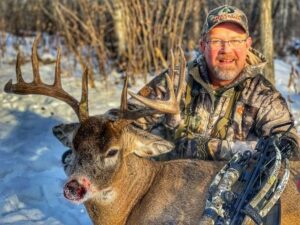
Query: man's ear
pixel 202 45
pixel 249 42
pixel 65 133
pixel 149 145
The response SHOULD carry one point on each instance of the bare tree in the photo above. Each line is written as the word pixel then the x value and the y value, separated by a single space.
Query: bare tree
pixel 116 8
pixel 137 34
pixel 84 33
pixel 266 34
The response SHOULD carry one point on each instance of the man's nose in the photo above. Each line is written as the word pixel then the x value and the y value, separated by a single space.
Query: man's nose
pixel 226 47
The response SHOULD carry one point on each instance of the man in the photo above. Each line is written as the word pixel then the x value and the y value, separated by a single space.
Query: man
pixel 228 105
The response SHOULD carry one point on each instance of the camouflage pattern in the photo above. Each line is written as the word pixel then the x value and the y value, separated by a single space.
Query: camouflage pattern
pixel 258 109
pixel 278 192
pixel 223 14
pixel 221 184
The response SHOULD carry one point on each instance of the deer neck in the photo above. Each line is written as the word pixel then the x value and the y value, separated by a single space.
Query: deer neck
pixel 130 184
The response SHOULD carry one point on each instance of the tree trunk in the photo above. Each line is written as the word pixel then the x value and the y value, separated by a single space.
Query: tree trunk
pixel 196 15
pixel 120 28
pixel 267 37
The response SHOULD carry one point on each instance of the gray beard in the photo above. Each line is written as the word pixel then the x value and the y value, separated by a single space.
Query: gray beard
pixel 225 74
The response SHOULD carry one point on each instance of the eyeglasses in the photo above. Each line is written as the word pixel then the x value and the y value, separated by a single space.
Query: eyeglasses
pixel 219 43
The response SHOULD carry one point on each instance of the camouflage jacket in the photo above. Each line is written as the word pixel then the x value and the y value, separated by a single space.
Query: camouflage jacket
pixel 258 108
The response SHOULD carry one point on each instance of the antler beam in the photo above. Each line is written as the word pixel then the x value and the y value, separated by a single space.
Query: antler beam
pixel 170 106
pixel 55 90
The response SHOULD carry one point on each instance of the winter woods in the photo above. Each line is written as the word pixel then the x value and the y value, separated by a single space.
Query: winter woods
pixel 134 35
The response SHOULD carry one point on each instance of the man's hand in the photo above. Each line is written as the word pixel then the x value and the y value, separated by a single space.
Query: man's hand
pixel 192 148
pixel 288 147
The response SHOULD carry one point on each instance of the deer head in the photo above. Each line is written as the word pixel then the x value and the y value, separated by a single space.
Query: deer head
pixel 100 145
pixel 100 148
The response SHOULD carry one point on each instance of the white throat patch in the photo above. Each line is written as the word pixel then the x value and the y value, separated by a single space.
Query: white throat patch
pixel 107 195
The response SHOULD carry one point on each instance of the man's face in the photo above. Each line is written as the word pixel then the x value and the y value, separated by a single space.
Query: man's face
pixel 225 60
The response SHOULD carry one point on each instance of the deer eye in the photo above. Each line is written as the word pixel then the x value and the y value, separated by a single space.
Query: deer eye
pixel 66 158
pixel 112 152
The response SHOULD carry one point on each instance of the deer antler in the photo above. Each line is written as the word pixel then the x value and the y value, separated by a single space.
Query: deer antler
pixel 55 90
pixel 170 106
pixel 131 114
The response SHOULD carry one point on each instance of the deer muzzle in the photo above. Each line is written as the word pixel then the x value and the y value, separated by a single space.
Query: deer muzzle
pixel 74 191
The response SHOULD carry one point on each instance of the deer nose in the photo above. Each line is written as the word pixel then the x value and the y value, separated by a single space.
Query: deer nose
pixel 74 191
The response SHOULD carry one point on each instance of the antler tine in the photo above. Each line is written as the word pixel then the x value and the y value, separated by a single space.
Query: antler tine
pixel 181 76
pixel 18 69
pixel 170 106
pixel 83 105
pixel 124 104
pixel 172 66
pixel 55 90
pixel 130 115
pixel 35 60
pixel 57 79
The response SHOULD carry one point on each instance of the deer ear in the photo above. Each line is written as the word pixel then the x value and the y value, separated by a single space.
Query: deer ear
pixel 65 133
pixel 149 145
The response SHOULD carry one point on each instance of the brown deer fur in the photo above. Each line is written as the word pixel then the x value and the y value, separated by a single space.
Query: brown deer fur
pixel 128 188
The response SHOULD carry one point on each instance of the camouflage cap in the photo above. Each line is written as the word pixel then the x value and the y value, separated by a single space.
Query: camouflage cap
pixel 223 14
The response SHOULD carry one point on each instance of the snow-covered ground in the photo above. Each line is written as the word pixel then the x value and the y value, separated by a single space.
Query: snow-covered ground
pixel 31 175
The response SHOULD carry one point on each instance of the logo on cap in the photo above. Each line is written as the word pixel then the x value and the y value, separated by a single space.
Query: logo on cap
pixel 225 14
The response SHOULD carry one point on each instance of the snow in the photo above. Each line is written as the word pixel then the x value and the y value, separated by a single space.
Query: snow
pixel 31 173
pixel 282 71
pixel 30 170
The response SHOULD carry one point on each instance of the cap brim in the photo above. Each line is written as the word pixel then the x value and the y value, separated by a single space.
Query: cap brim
pixel 228 21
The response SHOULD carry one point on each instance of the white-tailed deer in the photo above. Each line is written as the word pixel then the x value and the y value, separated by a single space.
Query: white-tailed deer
pixel 110 170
